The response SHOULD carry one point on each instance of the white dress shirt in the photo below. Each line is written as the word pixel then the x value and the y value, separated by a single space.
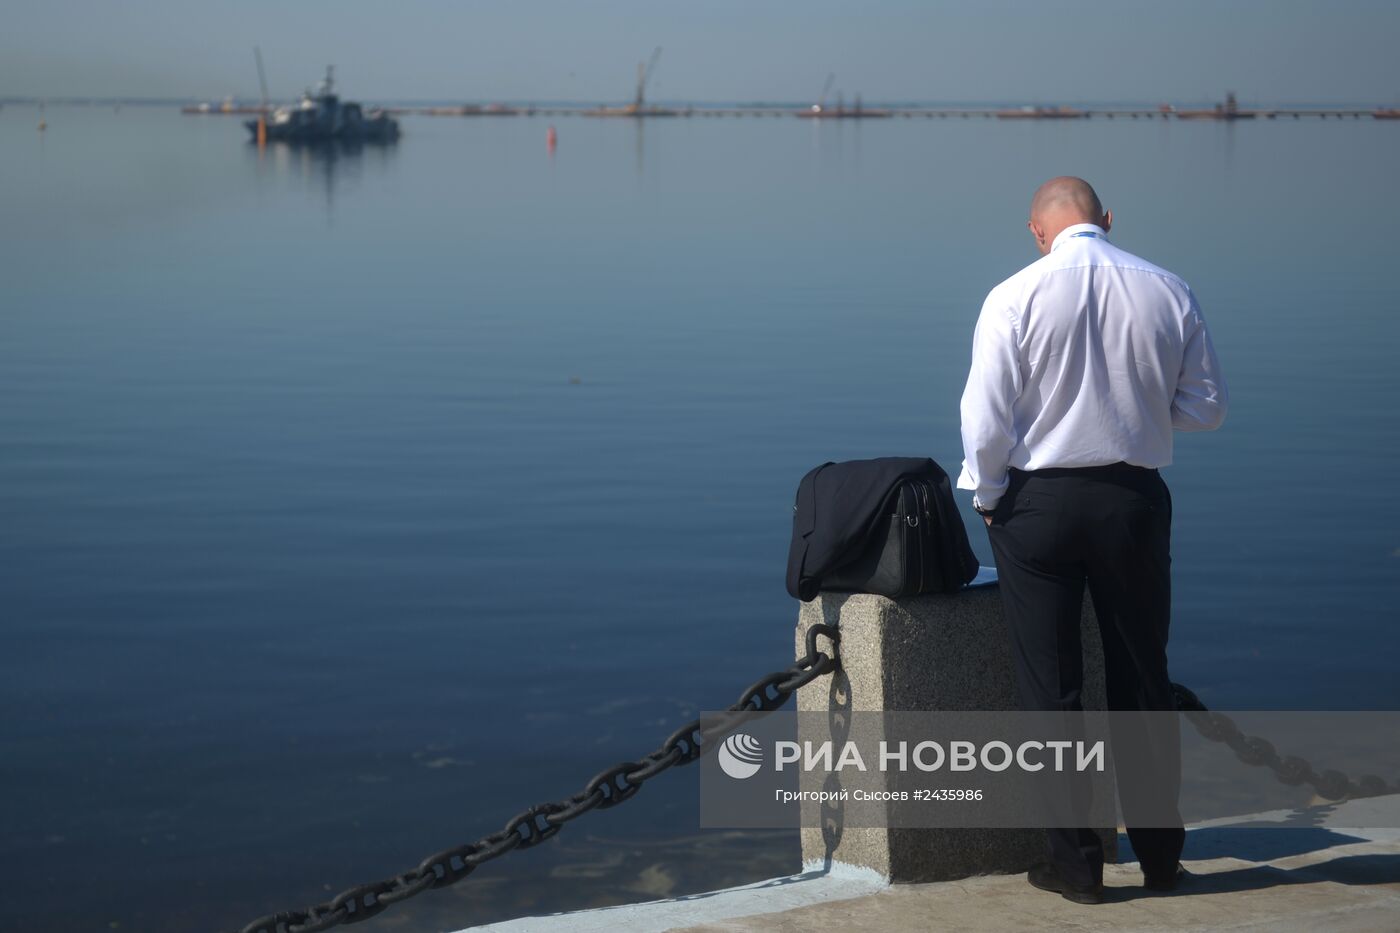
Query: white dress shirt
pixel 1087 356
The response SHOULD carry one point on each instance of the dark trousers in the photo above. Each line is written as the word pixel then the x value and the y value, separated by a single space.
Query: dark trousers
pixel 1110 526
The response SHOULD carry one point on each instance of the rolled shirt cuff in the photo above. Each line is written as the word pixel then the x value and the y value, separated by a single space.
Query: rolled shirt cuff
pixel 986 497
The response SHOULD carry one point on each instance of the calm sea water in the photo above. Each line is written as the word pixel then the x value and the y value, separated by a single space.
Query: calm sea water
pixel 352 504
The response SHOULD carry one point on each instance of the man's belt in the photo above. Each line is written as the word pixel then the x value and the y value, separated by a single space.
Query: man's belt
pixel 1102 470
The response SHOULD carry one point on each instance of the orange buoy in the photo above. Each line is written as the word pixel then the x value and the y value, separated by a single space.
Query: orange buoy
pixel 551 139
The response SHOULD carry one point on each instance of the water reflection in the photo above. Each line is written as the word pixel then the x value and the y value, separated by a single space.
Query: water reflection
pixel 331 164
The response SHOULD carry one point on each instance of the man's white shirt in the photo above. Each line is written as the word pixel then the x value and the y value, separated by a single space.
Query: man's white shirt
pixel 1088 356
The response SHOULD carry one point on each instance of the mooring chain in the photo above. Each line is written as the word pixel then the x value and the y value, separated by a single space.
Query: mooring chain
pixel 530 827
pixel 1291 770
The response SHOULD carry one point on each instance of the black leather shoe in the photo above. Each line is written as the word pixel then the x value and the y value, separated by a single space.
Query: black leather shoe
pixel 1166 882
pixel 1045 877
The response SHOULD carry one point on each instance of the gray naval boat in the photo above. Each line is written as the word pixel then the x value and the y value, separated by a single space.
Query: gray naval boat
pixel 324 117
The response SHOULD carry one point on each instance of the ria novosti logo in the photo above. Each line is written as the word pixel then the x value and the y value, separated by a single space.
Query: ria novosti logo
pixel 740 755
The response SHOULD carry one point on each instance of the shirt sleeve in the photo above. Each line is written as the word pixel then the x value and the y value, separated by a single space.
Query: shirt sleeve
pixel 993 385
pixel 1201 397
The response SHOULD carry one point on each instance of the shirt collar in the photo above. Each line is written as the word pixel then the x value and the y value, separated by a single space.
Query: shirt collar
pixel 1082 230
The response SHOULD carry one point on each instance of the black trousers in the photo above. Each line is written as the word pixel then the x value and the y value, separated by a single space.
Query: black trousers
pixel 1110 526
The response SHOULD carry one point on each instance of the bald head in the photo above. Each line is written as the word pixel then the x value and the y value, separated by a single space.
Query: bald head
pixel 1063 202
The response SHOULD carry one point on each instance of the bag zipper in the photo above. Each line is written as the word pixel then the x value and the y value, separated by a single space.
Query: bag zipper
pixel 931 505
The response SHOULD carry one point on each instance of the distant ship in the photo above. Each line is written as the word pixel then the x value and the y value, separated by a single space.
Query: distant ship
pixel 323 117
pixel 1230 110
pixel 820 110
pixel 1042 113
pixel 227 105
pixel 841 111
pixel 473 110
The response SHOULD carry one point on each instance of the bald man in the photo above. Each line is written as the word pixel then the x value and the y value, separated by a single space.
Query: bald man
pixel 1083 364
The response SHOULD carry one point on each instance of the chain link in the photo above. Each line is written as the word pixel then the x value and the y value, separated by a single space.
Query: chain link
pixel 1260 753
pixel 530 827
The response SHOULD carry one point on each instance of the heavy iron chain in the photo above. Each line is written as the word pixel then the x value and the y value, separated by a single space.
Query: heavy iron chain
pixel 1257 752
pixel 530 827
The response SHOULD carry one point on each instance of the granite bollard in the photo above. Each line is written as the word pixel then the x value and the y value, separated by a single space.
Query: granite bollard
pixel 930 652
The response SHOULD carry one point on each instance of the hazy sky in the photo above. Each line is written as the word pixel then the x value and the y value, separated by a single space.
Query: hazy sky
pixel 1046 51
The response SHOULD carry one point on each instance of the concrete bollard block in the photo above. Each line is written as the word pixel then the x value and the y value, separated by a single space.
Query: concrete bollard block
pixel 931 652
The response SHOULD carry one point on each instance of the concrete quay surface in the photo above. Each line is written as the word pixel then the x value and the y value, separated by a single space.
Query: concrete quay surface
pixel 1349 888
pixel 1306 872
